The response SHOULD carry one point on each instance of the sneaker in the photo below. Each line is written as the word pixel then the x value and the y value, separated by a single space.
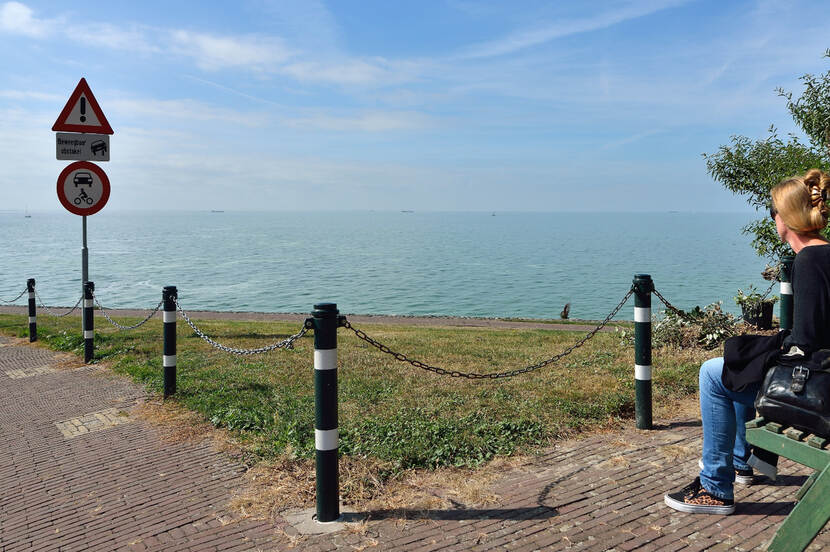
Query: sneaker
pixel 745 477
pixel 694 499
pixel 742 477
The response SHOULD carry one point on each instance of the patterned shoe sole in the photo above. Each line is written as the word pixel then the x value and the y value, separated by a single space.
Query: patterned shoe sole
pixel 697 508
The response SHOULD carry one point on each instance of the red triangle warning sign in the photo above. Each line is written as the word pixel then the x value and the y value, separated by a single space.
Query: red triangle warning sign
pixel 82 113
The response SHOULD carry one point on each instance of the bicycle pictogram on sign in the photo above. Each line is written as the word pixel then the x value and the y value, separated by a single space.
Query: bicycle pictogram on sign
pixel 83 188
pixel 82 198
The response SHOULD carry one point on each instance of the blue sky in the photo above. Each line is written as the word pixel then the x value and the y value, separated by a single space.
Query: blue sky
pixel 428 105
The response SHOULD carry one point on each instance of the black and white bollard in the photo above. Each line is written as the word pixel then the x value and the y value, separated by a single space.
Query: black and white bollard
pixel 168 295
pixel 326 435
pixel 88 322
pixel 30 287
pixel 643 286
pixel 785 314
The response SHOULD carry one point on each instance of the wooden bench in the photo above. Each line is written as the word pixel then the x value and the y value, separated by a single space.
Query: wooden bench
pixel 812 511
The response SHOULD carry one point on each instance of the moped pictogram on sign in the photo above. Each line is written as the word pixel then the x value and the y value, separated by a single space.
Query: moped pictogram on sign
pixel 83 188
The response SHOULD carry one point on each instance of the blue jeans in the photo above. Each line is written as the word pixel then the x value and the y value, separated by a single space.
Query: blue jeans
pixel 724 414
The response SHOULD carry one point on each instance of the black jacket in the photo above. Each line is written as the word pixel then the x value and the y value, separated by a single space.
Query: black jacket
pixel 746 358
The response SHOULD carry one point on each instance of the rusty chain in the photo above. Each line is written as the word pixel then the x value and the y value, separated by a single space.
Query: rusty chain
pixel 456 374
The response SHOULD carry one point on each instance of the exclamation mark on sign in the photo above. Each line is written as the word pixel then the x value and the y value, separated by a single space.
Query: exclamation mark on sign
pixel 83 109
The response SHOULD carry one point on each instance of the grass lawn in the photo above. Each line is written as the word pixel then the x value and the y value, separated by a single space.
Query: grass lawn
pixel 393 416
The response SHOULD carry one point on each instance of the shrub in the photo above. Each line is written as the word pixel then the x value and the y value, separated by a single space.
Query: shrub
pixel 704 328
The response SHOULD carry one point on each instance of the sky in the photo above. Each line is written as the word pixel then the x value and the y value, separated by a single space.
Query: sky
pixel 439 105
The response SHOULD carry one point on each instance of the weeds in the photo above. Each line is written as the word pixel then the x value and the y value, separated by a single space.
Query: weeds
pixel 705 328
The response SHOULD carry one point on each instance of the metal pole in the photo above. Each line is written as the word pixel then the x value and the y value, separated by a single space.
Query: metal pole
pixel 643 286
pixel 326 435
pixel 30 286
pixel 168 295
pixel 785 312
pixel 89 324
pixel 84 258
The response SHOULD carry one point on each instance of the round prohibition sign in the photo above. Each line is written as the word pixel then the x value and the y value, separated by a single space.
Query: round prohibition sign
pixel 83 188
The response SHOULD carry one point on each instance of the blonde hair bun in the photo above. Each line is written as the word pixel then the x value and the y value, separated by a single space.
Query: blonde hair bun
pixel 817 182
pixel 802 201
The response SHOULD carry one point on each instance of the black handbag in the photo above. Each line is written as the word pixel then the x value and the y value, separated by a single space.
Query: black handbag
pixel 796 392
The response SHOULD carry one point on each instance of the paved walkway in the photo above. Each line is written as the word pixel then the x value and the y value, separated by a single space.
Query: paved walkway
pixel 78 471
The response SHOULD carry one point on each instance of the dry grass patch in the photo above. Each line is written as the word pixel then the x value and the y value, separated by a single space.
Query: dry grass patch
pixel 673 453
pixel 422 491
pixel 616 462
pixel 621 443
pixel 68 362
pixel 176 424
pixel 274 486
pixel 286 483
pixel 684 407
pixel 293 540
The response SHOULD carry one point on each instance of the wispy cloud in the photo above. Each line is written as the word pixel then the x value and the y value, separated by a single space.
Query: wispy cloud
pixel 373 121
pixel 268 54
pixel 132 38
pixel 527 38
pixel 232 90
pixel 630 139
pixel 184 109
pixel 27 95
pixel 309 25
pixel 212 52
pixel 347 71
pixel 17 18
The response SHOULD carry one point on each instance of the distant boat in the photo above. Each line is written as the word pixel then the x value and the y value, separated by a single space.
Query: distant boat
pixel 26 213
pixel 216 211
pixel 494 214
pixel 406 211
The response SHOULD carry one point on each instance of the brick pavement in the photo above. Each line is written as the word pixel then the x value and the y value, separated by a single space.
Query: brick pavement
pixel 78 472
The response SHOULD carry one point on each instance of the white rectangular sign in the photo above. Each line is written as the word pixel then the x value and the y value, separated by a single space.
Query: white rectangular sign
pixel 71 146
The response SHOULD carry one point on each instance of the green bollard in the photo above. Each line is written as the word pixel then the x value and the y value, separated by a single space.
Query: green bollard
pixel 326 433
pixel 169 294
pixel 785 311
pixel 643 286
pixel 30 287
pixel 89 322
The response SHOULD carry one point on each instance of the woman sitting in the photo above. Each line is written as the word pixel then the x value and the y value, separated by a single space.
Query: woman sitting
pixel 728 391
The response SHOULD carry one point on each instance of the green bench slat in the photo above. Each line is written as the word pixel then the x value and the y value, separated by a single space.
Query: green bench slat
pixel 817 442
pixel 812 510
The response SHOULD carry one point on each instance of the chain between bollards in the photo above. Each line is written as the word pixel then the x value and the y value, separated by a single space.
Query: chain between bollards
pixel 89 322
pixel 643 286
pixel 30 287
pixel 168 359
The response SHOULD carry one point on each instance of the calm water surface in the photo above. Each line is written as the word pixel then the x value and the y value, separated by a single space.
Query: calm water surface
pixel 463 264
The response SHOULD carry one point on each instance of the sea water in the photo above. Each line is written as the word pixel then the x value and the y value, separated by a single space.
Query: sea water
pixel 402 263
